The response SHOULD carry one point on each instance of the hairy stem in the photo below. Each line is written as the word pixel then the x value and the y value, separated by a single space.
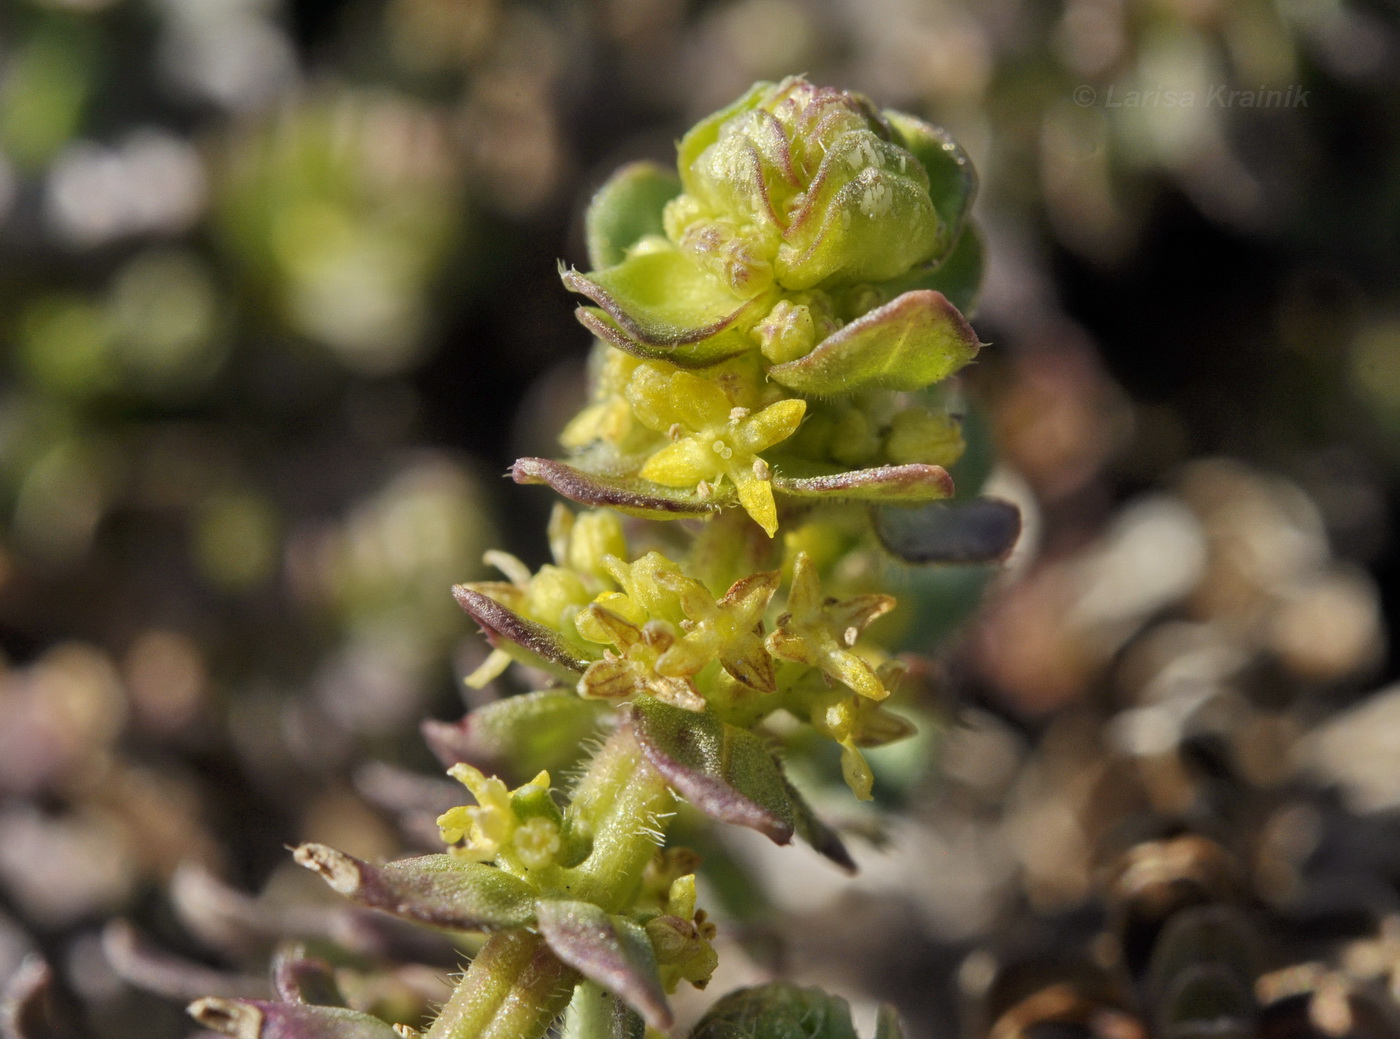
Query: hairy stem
pixel 515 987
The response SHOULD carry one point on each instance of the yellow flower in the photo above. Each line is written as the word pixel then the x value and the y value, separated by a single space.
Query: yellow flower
pixel 820 631
pixel 492 828
pixel 712 438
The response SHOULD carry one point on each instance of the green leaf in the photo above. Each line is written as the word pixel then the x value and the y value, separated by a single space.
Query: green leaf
pixel 823 839
pixel 518 736
pixel 543 647
pixel 610 950
pixel 706 131
pixel 626 209
pixel 866 216
pixel 888 484
pixel 439 890
pixel 958 275
pixel 952 180
pixel 777 1011
pixel 907 344
pixel 659 305
pixel 725 771
pixel 257 1019
pixel 628 494
pixel 981 530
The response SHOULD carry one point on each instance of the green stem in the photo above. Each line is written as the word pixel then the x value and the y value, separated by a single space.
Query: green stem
pixel 626 806
pixel 515 987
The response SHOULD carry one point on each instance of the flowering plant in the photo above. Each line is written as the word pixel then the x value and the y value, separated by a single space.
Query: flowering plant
pixel 772 324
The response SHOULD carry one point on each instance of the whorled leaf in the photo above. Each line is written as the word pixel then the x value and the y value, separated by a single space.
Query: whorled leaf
pixel 610 950
pixel 911 342
pixel 542 645
pixel 630 495
pixel 626 209
pixel 731 775
pixel 258 1019
pixel 780 1010
pixel 438 890
pixel 952 180
pixel 981 530
pixel 517 735
pixel 725 771
pixel 909 484
pixel 659 305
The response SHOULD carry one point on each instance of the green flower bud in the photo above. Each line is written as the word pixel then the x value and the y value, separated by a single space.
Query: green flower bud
pixel 801 184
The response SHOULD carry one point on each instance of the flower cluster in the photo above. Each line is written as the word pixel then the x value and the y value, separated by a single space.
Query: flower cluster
pixel 772 322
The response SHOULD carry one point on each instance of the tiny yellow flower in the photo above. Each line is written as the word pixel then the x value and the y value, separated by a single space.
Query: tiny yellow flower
pixel 820 631
pixel 491 826
pixel 712 438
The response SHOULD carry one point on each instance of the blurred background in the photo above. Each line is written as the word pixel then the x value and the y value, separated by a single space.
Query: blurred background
pixel 279 304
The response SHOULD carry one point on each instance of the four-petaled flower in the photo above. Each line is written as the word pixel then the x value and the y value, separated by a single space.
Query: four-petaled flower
pixel 712 437
pixel 492 827
pixel 820 631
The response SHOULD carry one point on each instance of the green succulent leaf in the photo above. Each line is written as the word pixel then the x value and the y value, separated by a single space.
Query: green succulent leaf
pixel 518 736
pixel 626 209
pixel 783 1011
pixel 952 180
pixel 888 484
pixel 439 890
pixel 727 772
pixel 958 275
pixel 542 646
pixel 657 304
pixel 258 1019
pixel 610 950
pixel 981 530
pixel 909 343
pixel 866 216
pixel 631 495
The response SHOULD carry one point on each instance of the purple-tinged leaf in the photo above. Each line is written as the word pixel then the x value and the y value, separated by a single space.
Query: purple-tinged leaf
pixel 518 736
pixel 299 978
pixel 659 303
pixel 539 642
pixel 689 358
pixel 911 342
pixel 823 839
pixel 610 950
pixel 910 484
pixel 626 209
pixel 438 890
pixel 139 963
pixel 983 530
pixel 632 495
pixel 727 772
pixel 256 1019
